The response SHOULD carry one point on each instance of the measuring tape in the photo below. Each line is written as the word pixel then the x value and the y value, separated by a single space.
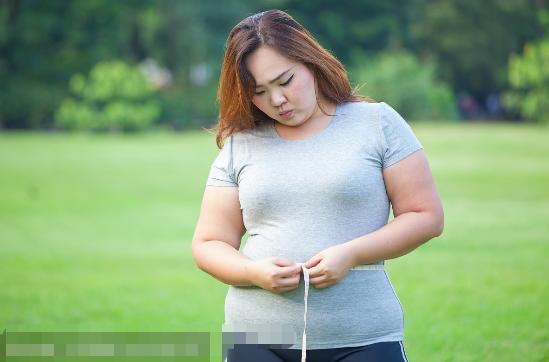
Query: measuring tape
pixel 306 279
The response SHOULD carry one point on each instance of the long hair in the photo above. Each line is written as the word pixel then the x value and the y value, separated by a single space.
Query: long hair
pixel 279 31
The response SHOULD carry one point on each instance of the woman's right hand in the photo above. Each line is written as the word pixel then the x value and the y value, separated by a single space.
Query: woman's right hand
pixel 277 275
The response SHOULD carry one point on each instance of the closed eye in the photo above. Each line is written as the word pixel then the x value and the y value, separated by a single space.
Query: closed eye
pixel 282 84
pixel 287 82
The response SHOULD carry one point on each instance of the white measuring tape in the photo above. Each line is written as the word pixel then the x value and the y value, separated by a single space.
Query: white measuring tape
pixel 306 279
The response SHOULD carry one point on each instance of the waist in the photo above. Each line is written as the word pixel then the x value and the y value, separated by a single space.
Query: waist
pixel 362 306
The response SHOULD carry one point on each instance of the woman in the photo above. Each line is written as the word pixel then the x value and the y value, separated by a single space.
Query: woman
pixel 308 169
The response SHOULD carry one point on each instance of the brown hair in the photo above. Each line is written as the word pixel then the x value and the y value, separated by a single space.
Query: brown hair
pixel 279 31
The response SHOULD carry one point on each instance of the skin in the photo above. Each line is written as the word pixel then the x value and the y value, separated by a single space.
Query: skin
pixel 293 88
pixel 410 186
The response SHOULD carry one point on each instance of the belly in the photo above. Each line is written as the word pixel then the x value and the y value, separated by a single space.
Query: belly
pixel 361 307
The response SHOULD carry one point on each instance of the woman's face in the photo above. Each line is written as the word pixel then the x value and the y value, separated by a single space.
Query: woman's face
pixel 285 89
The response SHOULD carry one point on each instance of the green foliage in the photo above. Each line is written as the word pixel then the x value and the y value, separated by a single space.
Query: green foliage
pixel 399 79
pixel 44 43
pixel 115 97
pixel 529 79
pixel 189 108
pixel 368 25
pixel 471 40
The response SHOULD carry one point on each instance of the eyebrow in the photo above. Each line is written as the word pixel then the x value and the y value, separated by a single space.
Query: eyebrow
pixel 277 78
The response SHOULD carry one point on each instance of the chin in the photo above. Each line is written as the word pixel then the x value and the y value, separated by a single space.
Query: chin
pixel 291 122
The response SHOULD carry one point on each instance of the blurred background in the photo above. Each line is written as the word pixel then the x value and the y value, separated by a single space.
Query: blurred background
pixel 133 65
pixel 104 159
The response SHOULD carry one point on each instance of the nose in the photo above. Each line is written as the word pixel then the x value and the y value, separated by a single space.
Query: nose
pixel 277 99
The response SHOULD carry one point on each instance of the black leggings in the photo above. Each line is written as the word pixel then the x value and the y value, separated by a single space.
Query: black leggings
pixel 377 352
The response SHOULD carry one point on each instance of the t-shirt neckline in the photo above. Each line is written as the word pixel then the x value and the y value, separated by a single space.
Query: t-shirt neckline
pixel 323 131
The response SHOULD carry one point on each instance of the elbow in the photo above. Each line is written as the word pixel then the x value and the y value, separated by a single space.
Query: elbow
pixel 438 223
pixel 433 223
pixel 439 229
pixel 196 253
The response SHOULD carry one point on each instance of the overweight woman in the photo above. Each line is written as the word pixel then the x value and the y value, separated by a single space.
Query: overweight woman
pixel 309 170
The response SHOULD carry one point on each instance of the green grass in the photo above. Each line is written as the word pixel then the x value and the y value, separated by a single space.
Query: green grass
pixel 95 235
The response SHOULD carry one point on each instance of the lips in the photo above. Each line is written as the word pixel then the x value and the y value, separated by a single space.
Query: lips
pixel 285 113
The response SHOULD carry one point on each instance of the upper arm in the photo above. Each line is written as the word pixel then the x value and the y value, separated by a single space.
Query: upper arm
pixel 408 180
pixel 220 217
pixel 410 186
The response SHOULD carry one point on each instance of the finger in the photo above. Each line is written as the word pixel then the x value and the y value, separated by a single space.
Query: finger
pixel 287 267
pixel 286 282
pixel 322 285
pixel 298 275
pixel 313 261
pixel 316 271
pixel 283 262
pixel 318 280
pixel 287 288
pixel 288 271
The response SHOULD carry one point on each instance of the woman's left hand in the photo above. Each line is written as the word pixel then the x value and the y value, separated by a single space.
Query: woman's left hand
pixel 329 266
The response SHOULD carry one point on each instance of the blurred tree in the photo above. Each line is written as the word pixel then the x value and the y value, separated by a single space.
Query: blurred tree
pixel 189 38
pixel 43 43
pixel 471 39
pixel 344 27
pixel 409 86
pixel 115 97
pixel 529 79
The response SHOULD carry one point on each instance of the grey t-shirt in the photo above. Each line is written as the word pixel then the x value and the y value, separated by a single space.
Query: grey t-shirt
pixel 299 197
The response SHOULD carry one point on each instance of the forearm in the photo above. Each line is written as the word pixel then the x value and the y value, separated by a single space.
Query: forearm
pixel 402 235
pixel 223 262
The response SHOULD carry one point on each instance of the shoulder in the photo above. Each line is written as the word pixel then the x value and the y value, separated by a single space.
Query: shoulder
pixel 242 144
pixel 361 109
pixel 362 114
pixel 377 113
pixel 262 130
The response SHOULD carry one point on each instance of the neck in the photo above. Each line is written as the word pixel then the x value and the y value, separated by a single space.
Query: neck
pixel 316 123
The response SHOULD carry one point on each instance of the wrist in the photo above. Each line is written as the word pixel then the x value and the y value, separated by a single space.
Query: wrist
pixel 249 272
pixel 352 253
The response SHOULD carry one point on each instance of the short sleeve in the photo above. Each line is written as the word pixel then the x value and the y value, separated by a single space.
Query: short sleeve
pixel 221 171
pixel 398 139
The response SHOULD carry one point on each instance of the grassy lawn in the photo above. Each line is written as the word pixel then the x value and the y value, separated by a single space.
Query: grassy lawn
pixel 95 235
